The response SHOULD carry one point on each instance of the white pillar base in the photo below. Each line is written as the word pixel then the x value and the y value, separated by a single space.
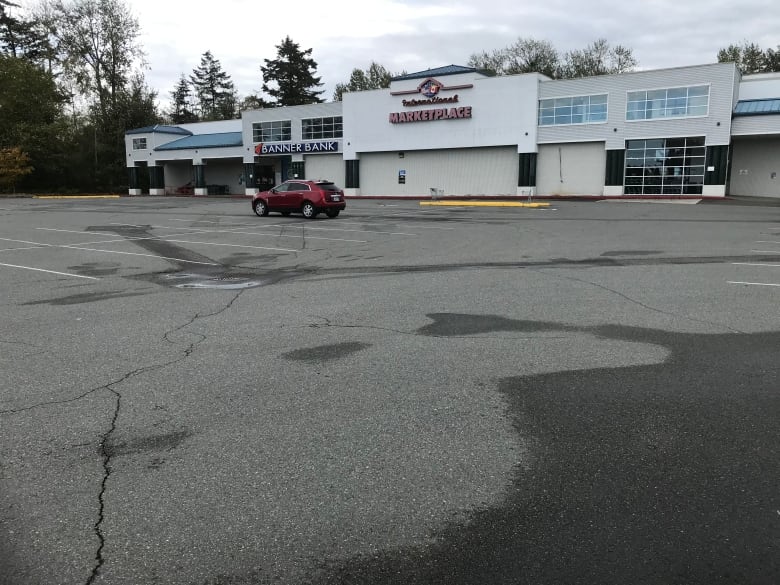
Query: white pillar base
pixel 526 191
pixel 156 192
pixel 714 191
pixel 134 192
pixel 251 191
pixel 200 191
pixel 352 192
pixel 613 190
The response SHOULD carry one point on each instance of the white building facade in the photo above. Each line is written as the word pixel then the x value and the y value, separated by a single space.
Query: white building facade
pixel 699 131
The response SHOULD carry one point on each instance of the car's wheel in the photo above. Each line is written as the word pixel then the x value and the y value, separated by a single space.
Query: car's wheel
pixel 285 213
pixel 308 210
pixel 332 212
pixel 260 207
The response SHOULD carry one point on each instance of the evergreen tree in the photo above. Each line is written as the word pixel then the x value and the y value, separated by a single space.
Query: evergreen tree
pixel 214 90
pixel 751 58
pixel 375 77
pixel 182 111
pixel 289 78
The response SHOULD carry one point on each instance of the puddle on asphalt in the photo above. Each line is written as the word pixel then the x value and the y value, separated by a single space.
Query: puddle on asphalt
pixel 219 282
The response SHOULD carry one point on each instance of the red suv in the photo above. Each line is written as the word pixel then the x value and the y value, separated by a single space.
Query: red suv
pixel 306 197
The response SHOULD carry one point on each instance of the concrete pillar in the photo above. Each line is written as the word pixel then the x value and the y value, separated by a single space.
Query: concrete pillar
pixel 250 182
pixel 156 180
pixel 200 179
pixel 133 181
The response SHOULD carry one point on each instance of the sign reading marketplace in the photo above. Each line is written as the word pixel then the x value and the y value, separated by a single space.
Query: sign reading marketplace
pixel 289 148
pixel 430 115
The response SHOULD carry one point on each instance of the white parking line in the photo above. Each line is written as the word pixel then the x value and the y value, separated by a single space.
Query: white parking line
pixel 139 254
pixel 765 251
pixel 754 283
pixel 343 230
pixel 49 271
pixel 236 231
pixel 231 245
pixel 25 242
pixel 766 242
pixel 759 264
pixel 39 245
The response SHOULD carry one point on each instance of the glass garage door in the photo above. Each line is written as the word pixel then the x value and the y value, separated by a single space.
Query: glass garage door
pixel 665 166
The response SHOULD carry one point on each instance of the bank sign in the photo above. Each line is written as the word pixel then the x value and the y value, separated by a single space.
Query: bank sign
pixel 296 147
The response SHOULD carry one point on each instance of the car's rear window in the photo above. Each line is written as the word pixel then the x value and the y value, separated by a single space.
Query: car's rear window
pixel 329 186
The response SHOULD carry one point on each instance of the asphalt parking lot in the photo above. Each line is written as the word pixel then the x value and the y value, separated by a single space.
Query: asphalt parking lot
pixel 586 393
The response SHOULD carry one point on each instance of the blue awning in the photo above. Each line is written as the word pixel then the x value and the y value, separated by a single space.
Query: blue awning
pixel 757 107
pixel 221 140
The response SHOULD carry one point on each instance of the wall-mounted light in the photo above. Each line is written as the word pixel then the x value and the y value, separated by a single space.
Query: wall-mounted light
pixel 400 155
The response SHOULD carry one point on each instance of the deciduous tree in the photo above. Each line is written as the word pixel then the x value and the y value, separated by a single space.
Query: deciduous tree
pixel 14 165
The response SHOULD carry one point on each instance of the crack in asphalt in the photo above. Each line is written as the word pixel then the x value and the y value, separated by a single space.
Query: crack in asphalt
pixel 99 560
pixel 639 303
pixel 105 451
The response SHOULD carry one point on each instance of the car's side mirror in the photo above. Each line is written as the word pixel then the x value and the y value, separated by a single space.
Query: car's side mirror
pixel 273 191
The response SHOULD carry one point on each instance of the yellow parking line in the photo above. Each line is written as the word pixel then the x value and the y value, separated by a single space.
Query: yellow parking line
pixel 484 203
pixel 76 196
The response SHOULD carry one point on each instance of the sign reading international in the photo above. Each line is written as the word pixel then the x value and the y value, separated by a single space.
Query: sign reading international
pixel 295 147
pixel 430 89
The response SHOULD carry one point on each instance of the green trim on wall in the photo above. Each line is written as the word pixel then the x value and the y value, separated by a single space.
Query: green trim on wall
pixel 353 174
pixel 527 174
pixel 616 168
pixel 718 157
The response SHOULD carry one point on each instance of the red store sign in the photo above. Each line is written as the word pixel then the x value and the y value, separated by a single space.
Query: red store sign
pixel 431 115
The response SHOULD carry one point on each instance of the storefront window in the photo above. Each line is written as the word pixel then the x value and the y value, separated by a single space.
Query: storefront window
pixel 585 109
pixel 322 128
pixel 666 166
pixel 276 131
pixel 675 102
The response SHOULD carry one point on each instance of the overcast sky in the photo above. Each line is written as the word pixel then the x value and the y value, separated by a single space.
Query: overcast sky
pixel 414 35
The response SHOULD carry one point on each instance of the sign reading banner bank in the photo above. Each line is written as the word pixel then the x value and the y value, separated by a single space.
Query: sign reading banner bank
pixel 296 147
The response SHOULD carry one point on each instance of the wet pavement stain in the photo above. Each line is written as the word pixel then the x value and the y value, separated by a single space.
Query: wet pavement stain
pixel 96 268
pixel 457 324
pixel 324 353
pixel 655 474
pixel 152 443
pixel 83 298
pixel 632 252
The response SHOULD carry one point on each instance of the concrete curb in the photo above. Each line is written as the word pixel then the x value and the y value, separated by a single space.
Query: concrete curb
pixel 455 203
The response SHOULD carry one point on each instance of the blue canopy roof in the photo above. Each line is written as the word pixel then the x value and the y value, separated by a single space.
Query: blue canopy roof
pixel 757 107
pixel 160 129
pixel 441 71
pixel 221 140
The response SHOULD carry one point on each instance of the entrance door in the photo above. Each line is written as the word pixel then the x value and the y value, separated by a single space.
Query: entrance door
pixel 265 175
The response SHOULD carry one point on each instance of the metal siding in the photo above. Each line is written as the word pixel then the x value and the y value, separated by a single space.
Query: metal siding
pixel 325 166
pixel 720 77
pixel 753 162
pixel 755 125
pixel 571 169
pixel 468 171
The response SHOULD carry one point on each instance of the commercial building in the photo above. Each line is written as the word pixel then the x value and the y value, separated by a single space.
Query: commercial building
pixel 699 131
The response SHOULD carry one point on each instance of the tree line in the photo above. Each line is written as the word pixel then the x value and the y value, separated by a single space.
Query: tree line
pixel 72 84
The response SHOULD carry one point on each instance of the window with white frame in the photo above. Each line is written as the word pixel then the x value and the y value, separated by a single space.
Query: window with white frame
pixel 139 143
pixel 674 102
pixel 322 128
pixel 583 109
pixel 276 131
